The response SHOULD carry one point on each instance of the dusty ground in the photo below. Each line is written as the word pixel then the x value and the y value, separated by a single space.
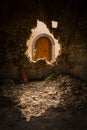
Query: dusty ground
pixel 60 104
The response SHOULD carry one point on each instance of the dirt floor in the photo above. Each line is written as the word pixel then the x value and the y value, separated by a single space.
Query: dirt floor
pixel 59 104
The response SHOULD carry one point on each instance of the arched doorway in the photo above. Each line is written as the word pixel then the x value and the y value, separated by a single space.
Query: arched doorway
pixel 43 47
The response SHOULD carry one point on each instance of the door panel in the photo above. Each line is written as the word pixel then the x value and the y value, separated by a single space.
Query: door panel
pixel 43 48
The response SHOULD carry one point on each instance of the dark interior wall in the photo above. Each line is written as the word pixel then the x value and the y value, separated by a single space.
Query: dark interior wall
pixel 17 18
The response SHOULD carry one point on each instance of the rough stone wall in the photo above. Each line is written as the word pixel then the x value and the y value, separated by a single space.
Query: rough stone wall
pixel 18 18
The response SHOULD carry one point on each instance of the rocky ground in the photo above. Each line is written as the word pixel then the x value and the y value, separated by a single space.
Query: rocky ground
pixel 59 104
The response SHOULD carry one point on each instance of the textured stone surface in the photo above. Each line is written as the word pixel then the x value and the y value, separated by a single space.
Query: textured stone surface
pixel 15 28
pixel 56 104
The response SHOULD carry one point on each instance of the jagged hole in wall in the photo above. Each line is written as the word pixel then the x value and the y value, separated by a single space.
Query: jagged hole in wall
pixel 42 44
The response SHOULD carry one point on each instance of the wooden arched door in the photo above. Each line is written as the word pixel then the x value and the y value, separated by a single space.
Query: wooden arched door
pixel 43 48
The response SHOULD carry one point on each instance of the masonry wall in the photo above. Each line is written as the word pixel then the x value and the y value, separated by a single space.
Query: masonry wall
pixel 18 18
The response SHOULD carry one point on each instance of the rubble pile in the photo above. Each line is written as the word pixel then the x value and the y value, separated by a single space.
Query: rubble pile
pixel 33 99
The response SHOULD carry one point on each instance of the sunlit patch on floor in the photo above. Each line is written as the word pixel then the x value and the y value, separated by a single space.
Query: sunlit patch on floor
pixel 37 100
pixel 54 103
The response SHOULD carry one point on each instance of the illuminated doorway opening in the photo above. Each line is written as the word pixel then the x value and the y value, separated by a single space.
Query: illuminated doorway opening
pixel 43 47
pixel 42 39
